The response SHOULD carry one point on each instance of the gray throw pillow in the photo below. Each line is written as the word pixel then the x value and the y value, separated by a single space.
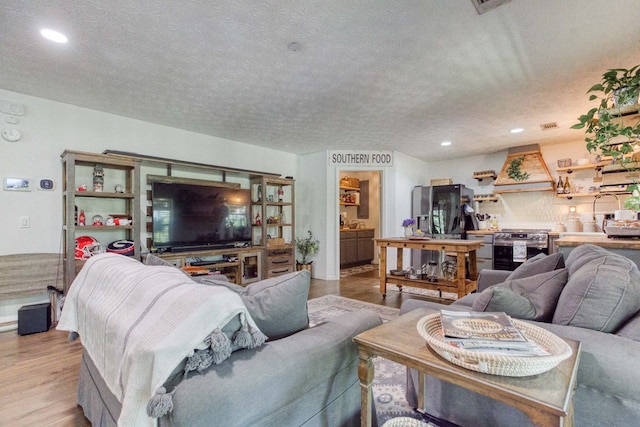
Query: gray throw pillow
pixel 540 263
pixel 584 254
pixel 531 298
pixel 278 305
pixel 602 295
pixel 504 299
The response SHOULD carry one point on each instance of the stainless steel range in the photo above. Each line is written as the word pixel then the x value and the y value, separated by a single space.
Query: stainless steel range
pixel 511 247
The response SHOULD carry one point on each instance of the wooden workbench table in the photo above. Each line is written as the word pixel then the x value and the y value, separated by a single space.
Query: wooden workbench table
pixel 463 249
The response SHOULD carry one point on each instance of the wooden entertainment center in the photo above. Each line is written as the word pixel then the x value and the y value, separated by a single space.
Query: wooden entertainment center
pixel 271 213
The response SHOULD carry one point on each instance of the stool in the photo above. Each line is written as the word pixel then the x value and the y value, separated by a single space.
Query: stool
pixel 34 318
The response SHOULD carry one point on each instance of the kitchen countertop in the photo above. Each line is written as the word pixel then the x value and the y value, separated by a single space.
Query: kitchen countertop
pixel 599 240
pixel 481 232
pixel 346 230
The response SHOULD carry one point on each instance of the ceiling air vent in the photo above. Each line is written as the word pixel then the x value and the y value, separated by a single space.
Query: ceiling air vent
pixel 549 126
pixel 483 6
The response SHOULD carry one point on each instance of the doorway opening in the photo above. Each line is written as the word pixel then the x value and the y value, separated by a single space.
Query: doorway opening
pixel 359 219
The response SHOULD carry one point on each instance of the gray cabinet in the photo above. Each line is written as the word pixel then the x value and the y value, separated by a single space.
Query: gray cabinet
pixel 484 255
pixel 356 247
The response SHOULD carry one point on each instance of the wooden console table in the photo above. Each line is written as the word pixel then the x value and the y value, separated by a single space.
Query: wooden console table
pixel 462 248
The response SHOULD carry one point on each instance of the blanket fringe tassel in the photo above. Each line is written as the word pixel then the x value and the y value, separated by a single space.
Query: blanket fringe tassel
pixel 219 347
pixel 161 403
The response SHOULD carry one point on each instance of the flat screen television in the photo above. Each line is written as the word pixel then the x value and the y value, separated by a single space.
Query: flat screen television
pixel 191 216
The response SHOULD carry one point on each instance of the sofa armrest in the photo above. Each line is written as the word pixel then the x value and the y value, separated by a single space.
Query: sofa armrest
pixel 307 369
pixel 489 277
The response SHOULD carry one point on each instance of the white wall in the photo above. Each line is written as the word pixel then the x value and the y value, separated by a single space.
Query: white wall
pixel 50 127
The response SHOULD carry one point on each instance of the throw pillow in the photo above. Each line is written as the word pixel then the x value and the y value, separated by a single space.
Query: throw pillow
pixel 540 291
pixel 540 263
pixel 278 305
pixel 602 295
pixel 583 255
pixel 504 299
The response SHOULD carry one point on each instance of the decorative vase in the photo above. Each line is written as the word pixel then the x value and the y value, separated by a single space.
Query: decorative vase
pixel 307 267
pixel 408 232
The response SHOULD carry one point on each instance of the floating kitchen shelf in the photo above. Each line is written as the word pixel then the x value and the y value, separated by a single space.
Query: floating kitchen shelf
pixel 572 195
pixel 594 166
pixel 485 199
pixel 485 174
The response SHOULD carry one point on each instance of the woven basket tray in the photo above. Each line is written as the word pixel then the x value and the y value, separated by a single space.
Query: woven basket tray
pixel 430 328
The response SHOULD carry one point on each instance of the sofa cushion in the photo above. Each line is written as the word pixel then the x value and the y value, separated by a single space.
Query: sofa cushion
pixel 631 329
pixel 600 295
pixel 278 305
pixel 531 298
pixel 583 255
pixel 540 263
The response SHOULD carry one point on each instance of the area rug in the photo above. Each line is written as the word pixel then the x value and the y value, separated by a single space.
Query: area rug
pixel 346 272
pixel 389 380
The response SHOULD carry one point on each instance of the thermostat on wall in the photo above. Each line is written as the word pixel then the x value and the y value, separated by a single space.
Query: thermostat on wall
pixel 45 184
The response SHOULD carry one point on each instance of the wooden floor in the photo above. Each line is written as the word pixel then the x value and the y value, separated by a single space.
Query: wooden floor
pixel 39 372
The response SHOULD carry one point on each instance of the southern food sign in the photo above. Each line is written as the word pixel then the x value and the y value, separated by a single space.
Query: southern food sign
pixel 364 158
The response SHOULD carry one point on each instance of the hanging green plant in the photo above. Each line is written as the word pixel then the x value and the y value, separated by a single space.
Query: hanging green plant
pixel 514 172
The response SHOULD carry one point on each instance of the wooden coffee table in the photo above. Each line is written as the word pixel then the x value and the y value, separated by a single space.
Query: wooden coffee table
pixel 547 399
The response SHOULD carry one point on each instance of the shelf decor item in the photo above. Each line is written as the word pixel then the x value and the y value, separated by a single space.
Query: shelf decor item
pixel 98 178
pixel 307 247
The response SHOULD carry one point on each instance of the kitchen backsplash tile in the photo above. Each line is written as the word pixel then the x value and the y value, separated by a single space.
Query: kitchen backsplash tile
pixel 541 209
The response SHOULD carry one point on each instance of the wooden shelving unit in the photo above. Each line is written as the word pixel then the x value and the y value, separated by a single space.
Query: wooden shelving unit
pixel 273 202
pixel 77 169
pixel 243 270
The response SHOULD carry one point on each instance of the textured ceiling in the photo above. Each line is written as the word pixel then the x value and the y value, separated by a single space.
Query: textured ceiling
pixel 397 75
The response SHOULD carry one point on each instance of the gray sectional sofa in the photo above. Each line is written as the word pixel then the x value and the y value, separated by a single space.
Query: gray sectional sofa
pixel 300 376
pixel 594 297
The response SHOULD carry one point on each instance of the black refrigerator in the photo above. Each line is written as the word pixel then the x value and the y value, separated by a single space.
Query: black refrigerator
pixel 443 212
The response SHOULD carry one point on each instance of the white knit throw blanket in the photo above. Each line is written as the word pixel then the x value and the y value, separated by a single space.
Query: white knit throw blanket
pixel 139 323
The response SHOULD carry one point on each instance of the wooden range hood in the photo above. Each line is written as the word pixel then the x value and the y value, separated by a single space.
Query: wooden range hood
pixel 524 170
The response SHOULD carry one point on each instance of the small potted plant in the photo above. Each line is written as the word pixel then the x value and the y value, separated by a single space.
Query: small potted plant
pixel 408 226
pixel 307 247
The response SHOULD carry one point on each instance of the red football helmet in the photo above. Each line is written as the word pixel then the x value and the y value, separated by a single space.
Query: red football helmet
pixel 86 246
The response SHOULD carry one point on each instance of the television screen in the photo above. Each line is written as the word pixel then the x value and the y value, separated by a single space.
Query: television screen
pixel 190 215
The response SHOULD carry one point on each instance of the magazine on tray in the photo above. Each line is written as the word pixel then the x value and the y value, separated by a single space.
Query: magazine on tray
pixel 488 332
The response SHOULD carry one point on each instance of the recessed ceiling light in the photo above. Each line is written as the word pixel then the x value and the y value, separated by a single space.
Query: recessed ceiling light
pixel 517 130
pixel 445 143
pixel 54 36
